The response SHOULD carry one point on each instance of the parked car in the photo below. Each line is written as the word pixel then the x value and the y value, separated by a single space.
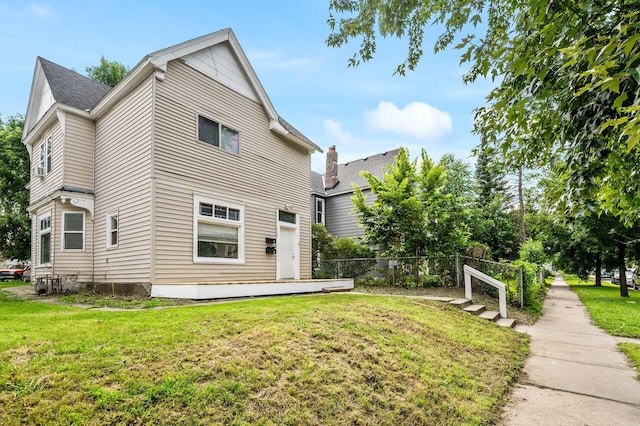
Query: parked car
pixel 636 279
pixel 14 272
pixel 26 275
pixel 628 277
pixel 605 274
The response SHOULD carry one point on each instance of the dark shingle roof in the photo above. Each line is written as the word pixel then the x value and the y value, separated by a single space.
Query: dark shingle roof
pixel 349 173
pixel 73 89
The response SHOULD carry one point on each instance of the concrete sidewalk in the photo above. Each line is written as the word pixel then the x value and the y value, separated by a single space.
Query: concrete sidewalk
pixel 574 374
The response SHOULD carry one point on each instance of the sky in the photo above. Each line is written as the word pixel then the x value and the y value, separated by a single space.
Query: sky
pixel 363 111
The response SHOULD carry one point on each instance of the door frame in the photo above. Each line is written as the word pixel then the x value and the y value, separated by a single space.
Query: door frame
pixel 296 245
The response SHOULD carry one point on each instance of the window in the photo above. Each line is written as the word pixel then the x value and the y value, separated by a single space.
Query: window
pixel 45 239
pixel 112 229
pixel 320 210
pixel 45 155
pixel 286 216
pixel 73 231
pixel 218 231
pixel 218 135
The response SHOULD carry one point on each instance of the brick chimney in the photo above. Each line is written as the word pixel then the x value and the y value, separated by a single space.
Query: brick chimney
pixel 331 168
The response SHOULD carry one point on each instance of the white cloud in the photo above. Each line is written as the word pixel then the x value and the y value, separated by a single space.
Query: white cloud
pixel 40 10
pixel 341 137
pixel 417 119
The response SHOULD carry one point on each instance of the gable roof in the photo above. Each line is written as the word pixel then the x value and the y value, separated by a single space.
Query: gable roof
pixel 70 88
pixel 157 62
pixel 349 173
pixel 53 84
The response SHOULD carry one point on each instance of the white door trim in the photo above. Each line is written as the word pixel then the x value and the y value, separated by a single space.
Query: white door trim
pixel 296 247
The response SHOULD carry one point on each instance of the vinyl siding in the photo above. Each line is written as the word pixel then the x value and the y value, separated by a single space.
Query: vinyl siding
pixel 77 264
pixel 78 152
pixel 123 182
pixel 43 186
pixel 340 220
pixel 268 173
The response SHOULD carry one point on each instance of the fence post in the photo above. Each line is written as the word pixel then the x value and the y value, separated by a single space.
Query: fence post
pixel 457 270
pixel 338 268
pixel 521 287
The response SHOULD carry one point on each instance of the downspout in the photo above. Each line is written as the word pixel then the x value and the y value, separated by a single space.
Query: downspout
pixel 159 75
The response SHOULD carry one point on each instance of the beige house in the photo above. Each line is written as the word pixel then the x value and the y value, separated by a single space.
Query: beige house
pixel 181 181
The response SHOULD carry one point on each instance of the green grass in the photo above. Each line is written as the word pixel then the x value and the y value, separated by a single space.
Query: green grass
pixel 101 301
pixel 335 359
pixel 12 283
pixel 616 315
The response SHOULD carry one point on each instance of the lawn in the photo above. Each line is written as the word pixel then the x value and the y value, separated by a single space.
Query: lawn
pixel 312 360
pixel 618 316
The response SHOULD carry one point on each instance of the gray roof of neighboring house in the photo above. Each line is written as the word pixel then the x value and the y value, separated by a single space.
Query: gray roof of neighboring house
pixel 73 89
pixel 349 173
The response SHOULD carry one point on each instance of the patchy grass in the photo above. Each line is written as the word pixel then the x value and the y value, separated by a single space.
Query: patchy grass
pixel 522 316
pixel 120 302
pixel 332 359
pixel 614 314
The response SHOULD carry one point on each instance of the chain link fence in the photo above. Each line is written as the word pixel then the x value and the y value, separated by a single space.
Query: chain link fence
pixel 394 271
pixel 523 286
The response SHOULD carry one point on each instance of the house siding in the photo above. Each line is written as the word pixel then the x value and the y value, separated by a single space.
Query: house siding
pixel 340 220
pixel 78 152
pixel 123 141
pixel 268 174
pixel 71 266
pixel 43 186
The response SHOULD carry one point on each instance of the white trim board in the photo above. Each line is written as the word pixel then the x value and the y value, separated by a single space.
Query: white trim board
pixel 223 291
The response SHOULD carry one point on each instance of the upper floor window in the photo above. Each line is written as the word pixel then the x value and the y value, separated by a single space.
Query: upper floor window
pixel 44 231
pixel 218 231
pixel 320 210
pixel 45 163
pixel 218 135
pixel 112 229
pixel 73 231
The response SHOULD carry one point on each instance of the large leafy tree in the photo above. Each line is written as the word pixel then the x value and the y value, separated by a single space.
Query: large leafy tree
pixel 569 80
pixel 107 72
pixel 15 242
pixel 412 214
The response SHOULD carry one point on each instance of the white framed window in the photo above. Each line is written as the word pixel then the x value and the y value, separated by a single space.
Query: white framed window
pixel 73 231
pixel 320 210
pixel 218 231
pixel 44 237
pixel 46 155
pixel 218 135
pixel 112 229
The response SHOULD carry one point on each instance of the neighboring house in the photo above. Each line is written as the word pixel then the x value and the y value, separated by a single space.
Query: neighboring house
pixel 181 181
pixel 332 192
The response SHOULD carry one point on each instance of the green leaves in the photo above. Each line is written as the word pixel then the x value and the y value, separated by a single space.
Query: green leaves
pixel 15 225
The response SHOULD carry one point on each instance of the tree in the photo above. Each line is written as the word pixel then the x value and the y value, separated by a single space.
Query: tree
pixel 568 93
pixel 15 225
pixel 108 72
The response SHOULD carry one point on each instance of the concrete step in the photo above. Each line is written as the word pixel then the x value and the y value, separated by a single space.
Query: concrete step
pixel 506 322
pixel 336 289
pixel 490 315
pixel 475 309
pixel 460 303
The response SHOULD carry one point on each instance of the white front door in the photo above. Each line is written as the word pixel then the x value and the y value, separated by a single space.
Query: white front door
pixel 288 251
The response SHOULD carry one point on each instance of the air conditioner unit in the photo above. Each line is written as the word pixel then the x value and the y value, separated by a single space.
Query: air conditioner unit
pixel 38 171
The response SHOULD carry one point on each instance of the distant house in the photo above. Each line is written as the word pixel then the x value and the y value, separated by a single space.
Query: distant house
pixel 181 181
pixel 332 192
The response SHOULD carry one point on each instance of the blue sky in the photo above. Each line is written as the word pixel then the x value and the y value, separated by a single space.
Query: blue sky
pixel 363 111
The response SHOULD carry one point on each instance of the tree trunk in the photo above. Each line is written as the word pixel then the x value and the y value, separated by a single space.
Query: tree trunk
pixel 624 292
pixel 598 270
pixel 523 229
